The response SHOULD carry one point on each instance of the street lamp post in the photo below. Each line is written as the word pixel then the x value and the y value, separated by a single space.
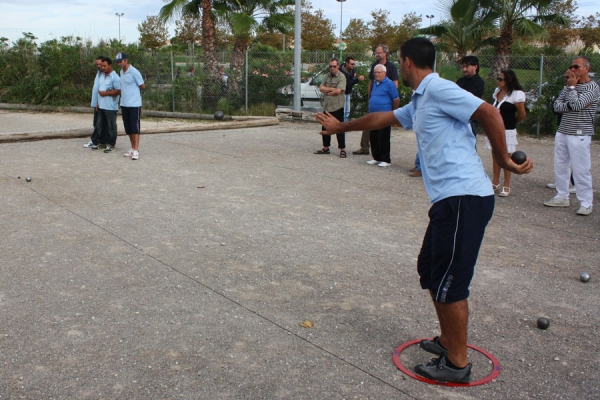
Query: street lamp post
pixel 430 18
pixel 119 15
pixel 342 46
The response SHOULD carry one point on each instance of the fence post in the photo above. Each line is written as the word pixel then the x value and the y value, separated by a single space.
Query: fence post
pixel 540 91
pixel 246 72
pixel 172 82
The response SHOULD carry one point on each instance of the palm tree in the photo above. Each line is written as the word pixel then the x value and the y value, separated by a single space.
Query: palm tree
pixel 243 19
pixel 465 29
pixel 522 18
pixel 209 42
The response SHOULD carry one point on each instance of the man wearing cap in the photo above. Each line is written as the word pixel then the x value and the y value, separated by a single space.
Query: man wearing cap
pixel 131 102
pixel 109 91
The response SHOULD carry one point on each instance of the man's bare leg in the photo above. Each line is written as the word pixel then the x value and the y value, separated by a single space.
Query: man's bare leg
pixel 454 319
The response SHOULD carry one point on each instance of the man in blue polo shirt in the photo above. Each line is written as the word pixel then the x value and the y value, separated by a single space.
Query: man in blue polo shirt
pixel 93 143
pixel 131 102
pixel 109 91
pixel 459 190
pixel 384 97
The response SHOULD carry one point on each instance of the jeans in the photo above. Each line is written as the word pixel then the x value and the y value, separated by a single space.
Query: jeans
pixel 380 144
pixel 347 107
pixel 417 162
pixel 96 133
pixel 107 127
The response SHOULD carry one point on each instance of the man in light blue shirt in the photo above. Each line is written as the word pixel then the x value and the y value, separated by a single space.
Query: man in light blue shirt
pixel 461 193
pixel 131 102
pixel 109 92
pixel 93 143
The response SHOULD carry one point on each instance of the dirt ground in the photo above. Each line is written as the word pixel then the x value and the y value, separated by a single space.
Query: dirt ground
pixel 186 274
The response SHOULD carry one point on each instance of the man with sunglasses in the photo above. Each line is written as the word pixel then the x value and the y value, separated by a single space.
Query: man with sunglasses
pixel 577 104
pixel 333 88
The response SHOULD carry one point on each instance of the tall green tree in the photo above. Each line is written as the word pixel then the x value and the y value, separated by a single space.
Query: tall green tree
pixel 244 19
pixel 317 31
pixel 406 29
pixel 523 18
pixel 382 29
pixel 464 27
pixel 197 8
pixel 153 33
pixel 356 35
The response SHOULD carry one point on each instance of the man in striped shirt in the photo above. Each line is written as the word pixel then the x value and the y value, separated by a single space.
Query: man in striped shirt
pixel 577 103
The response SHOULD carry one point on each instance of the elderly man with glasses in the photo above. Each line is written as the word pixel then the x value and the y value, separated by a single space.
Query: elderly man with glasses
pixel 333 88
pixel 577 104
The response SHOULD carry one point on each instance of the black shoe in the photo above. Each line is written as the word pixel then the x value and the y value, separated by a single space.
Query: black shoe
pixel 433 346
pixel 439 371
pixel 109 149
pixel 359 152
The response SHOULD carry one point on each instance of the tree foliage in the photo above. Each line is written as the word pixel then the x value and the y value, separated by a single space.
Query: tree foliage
pixel 317 31
pixel 188 29
pixel 153 33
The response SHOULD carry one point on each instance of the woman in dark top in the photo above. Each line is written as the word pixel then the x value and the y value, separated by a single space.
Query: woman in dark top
pixel 510 100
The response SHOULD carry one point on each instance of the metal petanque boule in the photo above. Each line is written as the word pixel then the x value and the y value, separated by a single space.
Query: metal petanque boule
pixel 584 277
pixel 219 115
pixel 28 179
pixel 543 323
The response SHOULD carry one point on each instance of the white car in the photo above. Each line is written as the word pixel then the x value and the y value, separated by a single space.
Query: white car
pixel 310 94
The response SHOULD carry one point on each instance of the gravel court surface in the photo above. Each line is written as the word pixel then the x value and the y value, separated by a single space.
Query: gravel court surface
pixel 185 274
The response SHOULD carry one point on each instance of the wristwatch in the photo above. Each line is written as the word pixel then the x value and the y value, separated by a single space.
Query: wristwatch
pixel 571 87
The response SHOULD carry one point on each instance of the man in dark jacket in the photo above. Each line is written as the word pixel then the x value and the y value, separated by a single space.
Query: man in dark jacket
pixel 471 81
pixel 351 79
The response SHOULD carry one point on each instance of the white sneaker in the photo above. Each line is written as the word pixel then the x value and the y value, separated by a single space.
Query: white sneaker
pixel 584 210
pixel 88 145
pixel 572 189
pixel 372 162
pixel 129 153
pixel 384 164
pixel 556 202
pixel 135 155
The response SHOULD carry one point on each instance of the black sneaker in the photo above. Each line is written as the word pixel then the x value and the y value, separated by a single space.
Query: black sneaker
pixel 439 371
pixel 358 152
pixel 94 146
pixel 433 346
pixel 109 149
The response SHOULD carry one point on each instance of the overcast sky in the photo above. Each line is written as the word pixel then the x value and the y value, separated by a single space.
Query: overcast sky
pixel 95 20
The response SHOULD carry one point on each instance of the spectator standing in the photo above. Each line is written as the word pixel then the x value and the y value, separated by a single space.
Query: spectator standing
pixel 381 57
pixel 384 97
pixel 333 88
pixel 223 78
pixel 109 91
pixel 93 143
pixel 351 79
pixel 460 192
pixel 472 83
pixel 510 100
pixel 131 102
pixel 577 103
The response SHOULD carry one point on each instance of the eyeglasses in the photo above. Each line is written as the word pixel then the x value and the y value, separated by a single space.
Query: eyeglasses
pixel 575 66
pixel 352 64
pixel 500 79
pixel 333 66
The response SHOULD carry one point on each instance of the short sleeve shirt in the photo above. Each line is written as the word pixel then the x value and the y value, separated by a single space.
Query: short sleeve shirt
pixel 507 107
pixel 109 82
pixel 131 80
pixel 383 95
pixel 439 114
pixel 391 71
pixel 334 103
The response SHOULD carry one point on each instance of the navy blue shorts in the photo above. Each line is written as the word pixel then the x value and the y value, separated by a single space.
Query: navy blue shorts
pixel 449 252
pixel 131 119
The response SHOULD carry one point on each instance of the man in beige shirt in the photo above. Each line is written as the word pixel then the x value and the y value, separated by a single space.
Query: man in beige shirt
pixel 333 89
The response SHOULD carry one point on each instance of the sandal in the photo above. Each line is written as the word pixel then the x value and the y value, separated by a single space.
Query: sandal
pixel 323 151
pixel 342 153
pixel 505 191
pixel 496 187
